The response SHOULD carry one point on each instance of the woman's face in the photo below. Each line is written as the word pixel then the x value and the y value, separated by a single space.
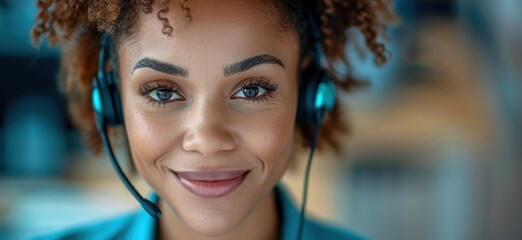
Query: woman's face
pixel 210 111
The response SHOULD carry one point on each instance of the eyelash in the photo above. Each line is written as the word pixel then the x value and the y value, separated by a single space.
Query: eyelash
pixel 148 87
pixel 268 86
pixel 145 89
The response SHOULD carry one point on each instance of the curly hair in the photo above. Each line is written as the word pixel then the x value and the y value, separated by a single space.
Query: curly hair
pixel 76 26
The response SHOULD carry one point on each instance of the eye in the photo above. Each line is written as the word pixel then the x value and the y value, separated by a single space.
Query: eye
pixel 160 93
pixel 255 89
pixel 164 95
pixel 250 92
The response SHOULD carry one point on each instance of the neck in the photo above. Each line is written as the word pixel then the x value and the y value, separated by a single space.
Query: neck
pixel 261 223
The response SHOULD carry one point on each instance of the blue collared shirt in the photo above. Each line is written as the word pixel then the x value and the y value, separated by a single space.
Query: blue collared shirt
pixel 139 225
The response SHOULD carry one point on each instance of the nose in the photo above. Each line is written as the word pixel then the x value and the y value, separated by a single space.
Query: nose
pixel 208 131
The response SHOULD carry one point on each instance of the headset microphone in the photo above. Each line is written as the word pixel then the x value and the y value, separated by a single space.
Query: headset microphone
pixel 107 108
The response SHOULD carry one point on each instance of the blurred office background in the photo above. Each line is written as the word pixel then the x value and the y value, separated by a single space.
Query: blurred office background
pixel 435 150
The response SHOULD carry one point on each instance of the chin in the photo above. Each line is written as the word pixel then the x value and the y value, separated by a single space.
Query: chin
pixel 214 222
pixel 215 229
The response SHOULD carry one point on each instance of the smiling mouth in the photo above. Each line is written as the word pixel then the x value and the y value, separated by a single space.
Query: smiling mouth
pixel 211 184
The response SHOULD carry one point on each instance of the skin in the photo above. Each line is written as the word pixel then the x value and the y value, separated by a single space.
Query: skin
pixel 211 126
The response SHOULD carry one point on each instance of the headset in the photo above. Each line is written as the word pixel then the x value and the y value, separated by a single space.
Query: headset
pixel 317 96
pixel 108 113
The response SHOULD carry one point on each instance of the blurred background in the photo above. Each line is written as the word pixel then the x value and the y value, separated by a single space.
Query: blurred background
pixel 435 150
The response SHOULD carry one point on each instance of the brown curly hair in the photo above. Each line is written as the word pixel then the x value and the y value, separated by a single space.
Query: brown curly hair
pixel 76 25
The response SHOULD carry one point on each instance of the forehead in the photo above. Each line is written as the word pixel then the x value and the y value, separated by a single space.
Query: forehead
pixel 214 28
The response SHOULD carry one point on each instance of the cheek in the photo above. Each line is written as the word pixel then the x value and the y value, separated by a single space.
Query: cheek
pixel 277 135
pixel 271 140
pixel 277 129
pixel 142 136
pixel 149 138
pixel 149 135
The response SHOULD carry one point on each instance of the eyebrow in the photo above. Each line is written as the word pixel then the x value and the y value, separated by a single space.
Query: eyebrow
pixel 228 70
pixel 248 63
pixel 161 67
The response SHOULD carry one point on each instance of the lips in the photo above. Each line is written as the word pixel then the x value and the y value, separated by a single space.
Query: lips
pixel 211 184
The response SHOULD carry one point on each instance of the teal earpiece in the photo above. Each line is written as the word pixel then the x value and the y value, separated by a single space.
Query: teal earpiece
pixel 105 97
pixel 325 96
pixel 96 101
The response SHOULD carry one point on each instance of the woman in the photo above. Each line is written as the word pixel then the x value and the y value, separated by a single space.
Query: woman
pixel 208 93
